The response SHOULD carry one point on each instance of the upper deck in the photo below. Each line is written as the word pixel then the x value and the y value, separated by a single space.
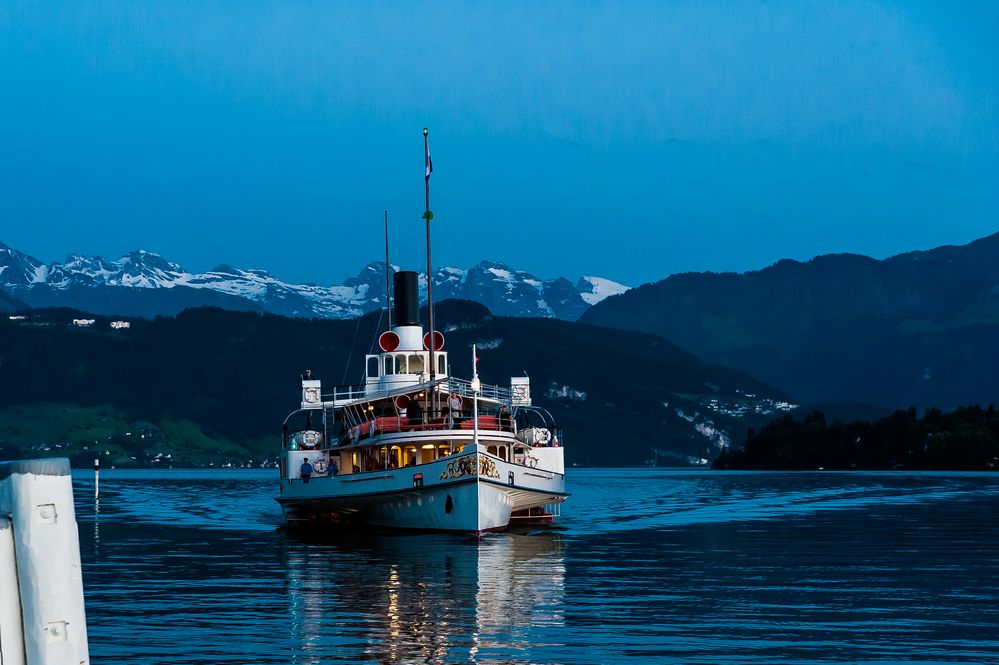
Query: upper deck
pixel 314 396
pixel 414 423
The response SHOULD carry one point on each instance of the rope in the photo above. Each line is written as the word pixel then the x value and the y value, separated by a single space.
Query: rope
pixel 350 355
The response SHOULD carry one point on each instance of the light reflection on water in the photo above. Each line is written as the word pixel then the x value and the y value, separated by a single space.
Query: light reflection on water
pixel 650 566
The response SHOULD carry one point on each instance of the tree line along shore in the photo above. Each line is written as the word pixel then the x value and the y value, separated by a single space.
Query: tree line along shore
pixel 966 438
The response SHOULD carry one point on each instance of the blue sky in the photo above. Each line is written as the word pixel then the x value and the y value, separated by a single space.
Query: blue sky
pixel 629 140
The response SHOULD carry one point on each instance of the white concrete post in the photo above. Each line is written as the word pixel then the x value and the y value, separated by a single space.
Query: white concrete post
pixel 37 495
pixel 11 633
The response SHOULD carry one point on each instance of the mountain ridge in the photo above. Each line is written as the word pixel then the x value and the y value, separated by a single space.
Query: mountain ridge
pixel 129 286
pixel 908 329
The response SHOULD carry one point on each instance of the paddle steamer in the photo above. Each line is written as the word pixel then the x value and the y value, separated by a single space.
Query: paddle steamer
pixel 414 447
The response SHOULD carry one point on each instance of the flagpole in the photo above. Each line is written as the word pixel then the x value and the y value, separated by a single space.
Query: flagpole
pixel 388 279
pixel 475 398
pixel 430 275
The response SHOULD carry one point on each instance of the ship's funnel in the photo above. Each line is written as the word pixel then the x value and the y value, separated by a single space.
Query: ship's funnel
pixel 407 303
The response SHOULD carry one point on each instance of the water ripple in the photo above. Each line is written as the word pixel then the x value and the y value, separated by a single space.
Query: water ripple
pixel 651 566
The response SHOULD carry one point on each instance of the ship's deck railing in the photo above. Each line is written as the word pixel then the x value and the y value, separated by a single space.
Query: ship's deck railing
pixel 344 393
pixel 400 423
pixel 447 385
pixel 487 391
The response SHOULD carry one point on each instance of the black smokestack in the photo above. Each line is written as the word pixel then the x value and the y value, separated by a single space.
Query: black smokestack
pixel 407 303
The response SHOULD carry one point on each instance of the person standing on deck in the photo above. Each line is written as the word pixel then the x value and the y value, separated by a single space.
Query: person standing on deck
pixel 414 413
pixel 305 471
pixel 504 420
pixel 453 408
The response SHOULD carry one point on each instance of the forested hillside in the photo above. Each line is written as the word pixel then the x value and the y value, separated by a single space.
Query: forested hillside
pixel 623 397
pixel 915 329
pixel 966 438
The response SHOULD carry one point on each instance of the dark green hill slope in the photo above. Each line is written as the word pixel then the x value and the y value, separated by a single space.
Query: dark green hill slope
pixel 623 397
pixel 967 439
pixel 918 328
pixel 10 304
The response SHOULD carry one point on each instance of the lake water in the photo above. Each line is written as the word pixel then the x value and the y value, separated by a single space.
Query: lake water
pixel 648 566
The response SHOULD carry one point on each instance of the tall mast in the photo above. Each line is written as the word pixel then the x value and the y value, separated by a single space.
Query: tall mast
pixel 430 275
pixel 388 275
pixel 476 386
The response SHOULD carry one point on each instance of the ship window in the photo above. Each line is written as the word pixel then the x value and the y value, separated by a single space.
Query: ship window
pixel 441 365
pixel 389 365
pixel 416 364
pixel 400 364
pixel 394 457
pixel 410 456
pixel 443 450
pixel 372 367
pixel 491 450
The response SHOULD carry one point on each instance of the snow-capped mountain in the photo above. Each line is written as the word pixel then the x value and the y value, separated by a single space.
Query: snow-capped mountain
pixel 18 269
pixel 595 289
pixel 511 292
pixel 143 283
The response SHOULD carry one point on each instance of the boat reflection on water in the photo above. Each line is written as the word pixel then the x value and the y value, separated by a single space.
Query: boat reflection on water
pixel 425 598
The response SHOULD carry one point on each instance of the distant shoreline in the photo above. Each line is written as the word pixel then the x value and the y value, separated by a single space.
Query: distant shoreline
pixel 965 439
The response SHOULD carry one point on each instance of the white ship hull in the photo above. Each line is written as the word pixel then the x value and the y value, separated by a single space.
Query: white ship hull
pixel 470 491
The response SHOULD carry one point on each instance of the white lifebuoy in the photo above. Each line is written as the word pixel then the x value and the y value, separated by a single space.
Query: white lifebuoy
pixel 320 465
pixel 310 439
